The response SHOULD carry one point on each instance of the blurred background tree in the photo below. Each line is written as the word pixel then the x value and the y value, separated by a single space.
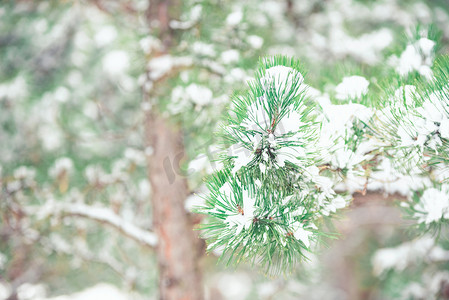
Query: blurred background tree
pixel 107 115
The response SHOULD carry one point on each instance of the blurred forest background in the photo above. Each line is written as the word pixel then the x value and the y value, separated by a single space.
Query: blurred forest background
pixel 107 114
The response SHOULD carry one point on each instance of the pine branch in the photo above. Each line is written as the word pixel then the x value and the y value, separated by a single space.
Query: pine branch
pixel 265 206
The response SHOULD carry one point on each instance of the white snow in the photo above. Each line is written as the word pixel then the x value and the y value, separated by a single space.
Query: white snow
pixel 244 156
pixel 116 62
pixel 433 110
pixel 135 156
pixel 236 75
pixel 3 261
pixel 336 203
pixel 289 123
pixel 426 46
pixel 289 154
pixel 257 117
pixel 344 158
pixel 182 98
pixel 340 118
pixel 203 163
pixel 233 286
pixel 25 173
pixel 96 175
pixel 103 214
pixel 409 60
pixel 204 49
pixel 91 110
pixel 234 18
pixel 149 44
pixel 416 57
pixel 367 48
pixel 63 165
pixel 5 290
pixel 28 291
pixel 284 80
pixel 226 189
pixel 51 137
pixel 195 14
pixel 199 94
pixel 230 56
pixel 406 92
pixel 429 286
pixel 301 234
pixel 388 179
pixel 255 41
pixel 352 87
pixel 105 35
pixel 62 94
pixel 16 89
pixel 406 254
pixel 244 220
pixel 444 128
pixel 144 188
pixel 99 291
pixel 160 66
pixel 194 201
pixel 433 205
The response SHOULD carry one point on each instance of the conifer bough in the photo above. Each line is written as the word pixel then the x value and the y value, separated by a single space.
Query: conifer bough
pixel 268 202
pixel 286 155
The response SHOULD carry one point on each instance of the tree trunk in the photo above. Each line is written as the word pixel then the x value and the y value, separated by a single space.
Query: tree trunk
pixel 177 249
pixel 178 245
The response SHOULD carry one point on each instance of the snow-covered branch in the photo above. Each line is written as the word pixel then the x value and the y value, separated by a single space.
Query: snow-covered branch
pixel 190 22
pixel 212 66
pixel 161 66
pixel 99 214
pixel 108 217
pixel 167 65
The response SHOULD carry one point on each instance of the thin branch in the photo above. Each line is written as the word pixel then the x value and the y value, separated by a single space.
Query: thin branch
pixel 212 66
pixel 162 66
pixel 106 216
pixel 165 66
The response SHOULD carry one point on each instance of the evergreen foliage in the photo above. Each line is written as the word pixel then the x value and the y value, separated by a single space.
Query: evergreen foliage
pixel 270 197
pixel 371 116
pixel 277 185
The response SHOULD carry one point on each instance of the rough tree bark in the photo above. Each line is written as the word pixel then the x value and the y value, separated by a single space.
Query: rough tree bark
pixel 177 249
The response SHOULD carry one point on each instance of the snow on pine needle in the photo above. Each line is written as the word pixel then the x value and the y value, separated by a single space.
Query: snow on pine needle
pixel 262 226
pixel 429 207
pixel 267 203
pixel 272 125
pixel 415 122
